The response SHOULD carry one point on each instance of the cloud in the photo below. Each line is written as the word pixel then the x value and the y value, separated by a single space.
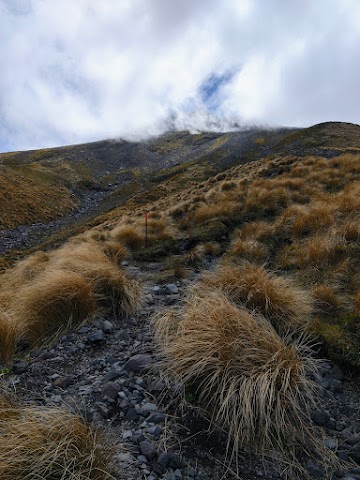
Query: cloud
pixel 80 71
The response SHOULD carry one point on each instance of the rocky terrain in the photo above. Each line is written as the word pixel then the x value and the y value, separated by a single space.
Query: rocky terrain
pixel 108 371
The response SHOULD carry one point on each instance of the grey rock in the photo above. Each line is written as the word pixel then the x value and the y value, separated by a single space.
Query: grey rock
pixel 138 363
pixel 156 418
pixel 156 289
pixel 172 299
pixel 337 373
pixel 84 330
pixel 20 367
pixel 178 474
pixel 157 386
pixel 172 288
pixel 110 390
pixel 320 417
pixel 331 443
pixel 168 460
pixel 325 383
pixel 123 335
pixel 336 386
pixel 148 449
pixel 355 455
pixel 131 414
pixel 149 408
pixel 142 459
pixel 138 437
pixel 343 455
pixel 126 458
pixel 314 470
pixel 85 390
pixel 127 434
pixel 62 382
pixel 96 337
pixel 192 473
pixel 351 439
pixel 108 327
pixel 155 430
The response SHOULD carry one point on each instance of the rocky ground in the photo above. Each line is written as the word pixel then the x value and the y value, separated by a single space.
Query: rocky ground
pixel 107 371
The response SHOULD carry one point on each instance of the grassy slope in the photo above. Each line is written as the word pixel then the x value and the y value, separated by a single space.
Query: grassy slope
pixel 42 185
pixel 198 207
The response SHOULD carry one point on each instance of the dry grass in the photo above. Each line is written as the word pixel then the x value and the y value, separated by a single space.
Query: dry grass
pixel 49 444
pixel 277 298
pixel 10 334
pixel 249 380
pixel 56 291
pixel 25 271
pixel 52 304
pixel 112 289
pixel 326 298
pixel 223 208
pixel 252 250
pixel 131 236
pixel 115 251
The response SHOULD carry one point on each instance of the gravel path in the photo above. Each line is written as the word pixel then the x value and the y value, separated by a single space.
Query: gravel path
pixel 107 370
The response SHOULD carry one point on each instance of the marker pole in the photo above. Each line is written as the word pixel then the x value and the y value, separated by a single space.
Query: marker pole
pixel 146 229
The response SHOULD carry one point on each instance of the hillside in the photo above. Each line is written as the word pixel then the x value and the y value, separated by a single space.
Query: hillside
pixel 224 345
pixel 63 188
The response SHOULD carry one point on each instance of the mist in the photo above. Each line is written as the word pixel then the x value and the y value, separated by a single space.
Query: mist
pixel 81 71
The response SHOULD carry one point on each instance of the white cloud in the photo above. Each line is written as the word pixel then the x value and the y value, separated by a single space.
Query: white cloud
pixel 85 70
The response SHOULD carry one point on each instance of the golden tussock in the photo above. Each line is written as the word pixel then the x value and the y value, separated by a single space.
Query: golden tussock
pixel 52 304
pixel 249 380
pixel 48 444
pixel 10 335
pixel 129 235
pixel 277 298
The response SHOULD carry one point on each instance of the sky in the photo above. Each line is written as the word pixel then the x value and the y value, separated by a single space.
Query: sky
pixel 75 71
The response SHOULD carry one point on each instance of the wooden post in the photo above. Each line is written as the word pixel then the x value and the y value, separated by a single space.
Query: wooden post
pixel 146 229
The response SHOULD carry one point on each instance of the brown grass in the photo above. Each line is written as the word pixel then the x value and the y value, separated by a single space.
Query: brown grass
pixel 46 294
pixel 49 444
pixel 130 236
pixel 25 271
pixel 277 298
pixel 326 298
pixel 10 334
pixel 52 304
pixel 115 251
pixel 113 290
pixel 251 382
pixel 249 249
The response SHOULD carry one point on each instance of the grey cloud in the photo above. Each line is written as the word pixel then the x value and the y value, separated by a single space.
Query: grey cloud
pixel 84 70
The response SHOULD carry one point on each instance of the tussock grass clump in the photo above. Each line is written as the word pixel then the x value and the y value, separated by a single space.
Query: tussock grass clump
pixel 277 298
pixel 25 271
pixel 10 334
pixel 113 290
pixel 256 231
pixel 129 235
pixel 52 304
pixel 223 208
pixel 326 298
pixel 49 444
pixel 115 251
pixel 246 377
pixel 56 291
pixel 249 250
